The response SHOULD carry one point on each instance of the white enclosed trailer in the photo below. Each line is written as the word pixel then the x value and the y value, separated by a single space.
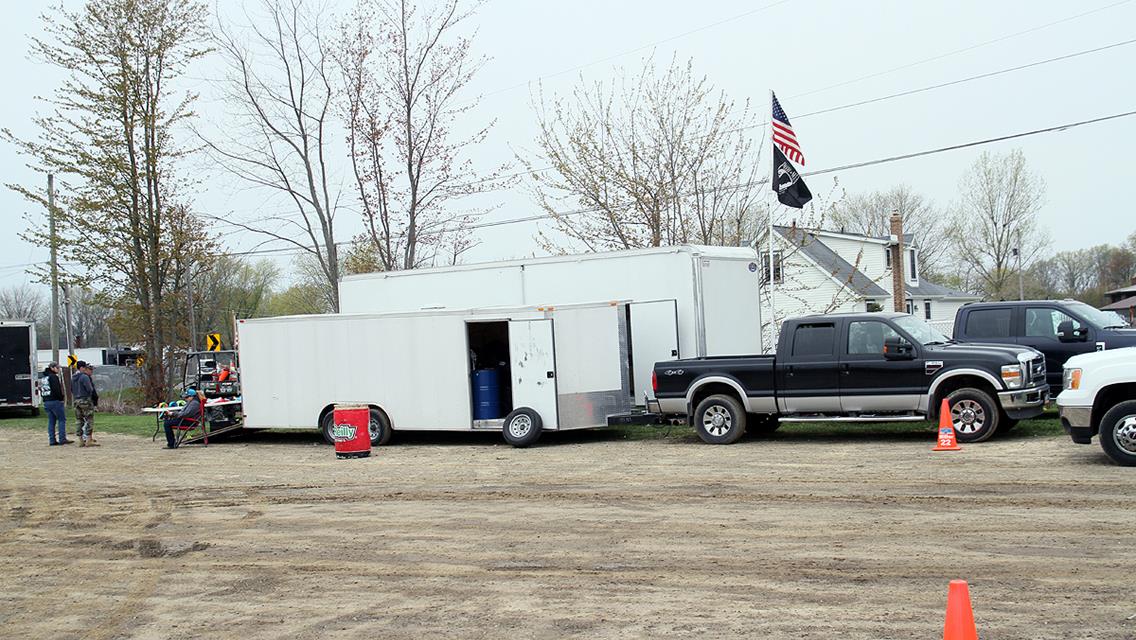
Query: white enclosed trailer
pixel 18 372
pixel 559 368
pixel 684 301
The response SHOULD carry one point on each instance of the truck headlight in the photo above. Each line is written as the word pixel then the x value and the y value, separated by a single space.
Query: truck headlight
pixel 1072 379
pixel 1012 376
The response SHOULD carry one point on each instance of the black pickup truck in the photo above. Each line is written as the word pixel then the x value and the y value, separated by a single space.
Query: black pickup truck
pixel 856 367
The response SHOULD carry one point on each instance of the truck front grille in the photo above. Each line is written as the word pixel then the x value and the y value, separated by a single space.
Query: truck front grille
pixel 1037 370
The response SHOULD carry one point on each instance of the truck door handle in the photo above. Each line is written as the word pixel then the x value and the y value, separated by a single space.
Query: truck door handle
pixel 845 368
pixel 550 375
pixel 674 353
pixel 790 370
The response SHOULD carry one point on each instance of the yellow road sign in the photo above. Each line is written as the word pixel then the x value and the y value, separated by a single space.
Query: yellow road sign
pixel 213 342
pixel 72 361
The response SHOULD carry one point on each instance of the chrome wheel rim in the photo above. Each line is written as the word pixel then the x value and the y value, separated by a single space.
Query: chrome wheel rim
pixel 717 421
pixel 520 426
pixel 1124 435
pixel 968 416
pixel 374 429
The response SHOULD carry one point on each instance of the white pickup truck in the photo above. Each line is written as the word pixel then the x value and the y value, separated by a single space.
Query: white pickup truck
pixel 1099 398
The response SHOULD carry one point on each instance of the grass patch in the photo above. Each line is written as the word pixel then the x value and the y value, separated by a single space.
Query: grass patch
pixel 138 425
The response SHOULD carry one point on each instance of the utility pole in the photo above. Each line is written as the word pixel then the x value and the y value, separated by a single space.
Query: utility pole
pixel 70 337
pixel 54 268
pixel 192 314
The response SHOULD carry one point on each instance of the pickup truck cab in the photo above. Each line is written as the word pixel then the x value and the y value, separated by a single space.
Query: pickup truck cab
pixel 1100 399
pixel 857 367
pixel 1060 329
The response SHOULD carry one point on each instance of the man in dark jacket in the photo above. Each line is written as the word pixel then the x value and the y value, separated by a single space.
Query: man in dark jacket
pixel 52 390
pixel 84 396
pixel 189 414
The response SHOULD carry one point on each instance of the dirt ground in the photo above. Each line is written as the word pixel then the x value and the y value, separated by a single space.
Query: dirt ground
pixel 585 536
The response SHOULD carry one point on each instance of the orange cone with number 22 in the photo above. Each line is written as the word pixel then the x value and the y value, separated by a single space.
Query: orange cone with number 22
pixel 947 440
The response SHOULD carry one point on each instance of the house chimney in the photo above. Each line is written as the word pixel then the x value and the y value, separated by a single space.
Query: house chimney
pixel 898 292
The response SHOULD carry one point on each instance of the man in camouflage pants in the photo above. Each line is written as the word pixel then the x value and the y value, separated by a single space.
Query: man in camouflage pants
pixel 83 393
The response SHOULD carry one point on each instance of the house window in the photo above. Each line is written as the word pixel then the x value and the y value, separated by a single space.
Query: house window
pixel 910 307
pixel 874 306
pixel 927 309
pixel 778 276
pixel 887 257
pixel 914 275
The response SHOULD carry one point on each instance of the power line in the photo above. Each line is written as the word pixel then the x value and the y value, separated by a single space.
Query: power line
pixel 963 50
pixel 745 185
pixel 860 103
pixel 855 165
pixel 635 50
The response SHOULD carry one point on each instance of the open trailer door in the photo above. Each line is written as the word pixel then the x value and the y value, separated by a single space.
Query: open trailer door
pixel 654 338
pixel 533 368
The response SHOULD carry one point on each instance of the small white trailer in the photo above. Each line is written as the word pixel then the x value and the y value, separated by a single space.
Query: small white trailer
pixel 19 388
pixel 683 301
pixel 557 368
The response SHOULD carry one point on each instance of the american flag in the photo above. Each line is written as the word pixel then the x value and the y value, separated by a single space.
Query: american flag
pixel 783 135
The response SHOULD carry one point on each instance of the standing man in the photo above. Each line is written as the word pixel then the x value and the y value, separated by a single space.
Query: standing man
pixel 53 405
pixel 83 393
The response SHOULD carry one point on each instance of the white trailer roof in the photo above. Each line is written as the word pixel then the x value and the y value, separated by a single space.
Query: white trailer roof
pixel 477 311
pixel 738 253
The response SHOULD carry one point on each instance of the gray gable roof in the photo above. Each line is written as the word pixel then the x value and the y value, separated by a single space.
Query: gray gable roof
pixel 852 277
pixel 832 263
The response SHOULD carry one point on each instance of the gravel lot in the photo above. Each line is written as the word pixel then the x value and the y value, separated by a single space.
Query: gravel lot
pixel 586 536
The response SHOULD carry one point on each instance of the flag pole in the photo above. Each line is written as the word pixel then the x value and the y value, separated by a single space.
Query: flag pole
pixel 770 284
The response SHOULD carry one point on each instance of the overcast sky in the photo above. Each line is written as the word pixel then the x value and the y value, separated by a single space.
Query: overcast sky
pixel 814 53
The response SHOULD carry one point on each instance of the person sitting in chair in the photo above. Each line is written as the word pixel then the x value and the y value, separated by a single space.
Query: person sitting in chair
pixel 189 414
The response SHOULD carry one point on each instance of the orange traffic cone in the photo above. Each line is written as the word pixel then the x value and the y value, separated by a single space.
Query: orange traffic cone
pixel 960 617
pixel 947 440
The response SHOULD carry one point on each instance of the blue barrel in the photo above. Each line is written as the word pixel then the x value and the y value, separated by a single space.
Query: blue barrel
pixel 486 395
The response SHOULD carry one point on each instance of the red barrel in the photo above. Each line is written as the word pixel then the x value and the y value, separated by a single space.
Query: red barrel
pixel 350 431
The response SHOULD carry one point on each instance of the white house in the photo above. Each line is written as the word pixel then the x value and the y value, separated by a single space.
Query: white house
pixel 818 271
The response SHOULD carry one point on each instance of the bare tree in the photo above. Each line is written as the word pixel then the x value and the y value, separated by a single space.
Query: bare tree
pixel 22 302
pixel 997 216
pixel 280 86
pixel 652 158
pixel 404 70
pixel 870 213
pixel 111 136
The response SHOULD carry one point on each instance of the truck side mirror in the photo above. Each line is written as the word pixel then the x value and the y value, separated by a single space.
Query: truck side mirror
pixel 896 348
pixel 1066 332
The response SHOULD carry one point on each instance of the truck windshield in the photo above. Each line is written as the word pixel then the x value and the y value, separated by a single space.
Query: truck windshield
pixel 921 331
pixel 1096 317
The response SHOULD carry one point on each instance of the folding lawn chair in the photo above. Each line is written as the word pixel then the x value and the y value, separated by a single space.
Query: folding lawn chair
pixel 190 425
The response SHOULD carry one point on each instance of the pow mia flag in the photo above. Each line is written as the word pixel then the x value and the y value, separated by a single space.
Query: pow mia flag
pixel 790 188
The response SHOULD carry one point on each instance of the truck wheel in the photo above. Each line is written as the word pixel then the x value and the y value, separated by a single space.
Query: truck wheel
pixel 522 427
pixel 761 424
pixel 379 427
pixel 719 419
pixel 1118 433
pixel 974 414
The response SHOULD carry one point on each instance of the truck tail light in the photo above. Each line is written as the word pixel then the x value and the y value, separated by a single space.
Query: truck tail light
pixel 654 382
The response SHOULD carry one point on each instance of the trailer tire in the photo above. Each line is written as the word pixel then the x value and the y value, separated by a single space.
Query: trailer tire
pixel 1118 433
pixel 522 427
pixel 379 427
pixel 974 414
pixel 327 423
pixel 720 419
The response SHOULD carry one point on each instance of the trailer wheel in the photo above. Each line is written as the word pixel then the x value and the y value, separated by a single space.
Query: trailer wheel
pixel 522 427
pixel 720 419
pixel 327 423
pixel 974 414
pixel 379 427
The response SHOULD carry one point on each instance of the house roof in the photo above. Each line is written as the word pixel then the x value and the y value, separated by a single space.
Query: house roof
pixel 827 259
pixel 1121 305
pixel 1131 289
pixel 841 270
pixel 927 289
